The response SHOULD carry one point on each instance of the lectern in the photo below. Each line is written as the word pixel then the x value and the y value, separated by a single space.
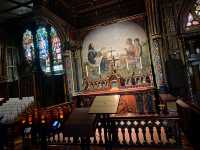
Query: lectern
pixel 105 105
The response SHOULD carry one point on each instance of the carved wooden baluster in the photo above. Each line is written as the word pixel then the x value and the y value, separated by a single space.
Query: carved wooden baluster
pixel 92 140
pixel 97 136
pixel 61 137
pixel 163 136
pixel 155 136
pixel 103 135
pixel 71 140
pixel 133 136
pixel 99 132
pixel 66 140
pixel 120 136
pixel 127 137
pixel 77 140
pixel 122 124
pixel 140 135
pixel 51 139
pixel 56 138
pixel 148 135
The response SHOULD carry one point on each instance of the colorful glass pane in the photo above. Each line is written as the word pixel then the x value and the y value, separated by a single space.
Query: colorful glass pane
pixel 56 51
pixel 194 15
pixel 43 46
pixel 28 45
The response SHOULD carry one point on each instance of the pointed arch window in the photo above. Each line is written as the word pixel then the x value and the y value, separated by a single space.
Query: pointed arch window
pixel 43 46
pixel 28 45
pixel 48 46
pixel 56 51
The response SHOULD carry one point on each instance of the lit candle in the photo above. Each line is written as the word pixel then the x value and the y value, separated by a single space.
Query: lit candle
pixel 140 63
pixel 99 70
pixel 127 64
pixel 86 68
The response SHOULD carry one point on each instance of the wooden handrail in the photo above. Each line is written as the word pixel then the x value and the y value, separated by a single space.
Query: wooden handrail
pixel 58 105
pixel 188 105
pixel 147 116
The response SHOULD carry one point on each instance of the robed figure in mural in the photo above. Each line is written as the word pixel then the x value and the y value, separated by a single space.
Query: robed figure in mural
pixel 92 54
pixel 130 51
pixel 134 52
pixel 104 63
pixel 138 53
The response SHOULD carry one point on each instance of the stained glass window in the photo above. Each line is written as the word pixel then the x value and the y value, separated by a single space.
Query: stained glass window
pixel 56 51
pixel 43 46
pixel 50 58
pixel 28 45
pixel 193 18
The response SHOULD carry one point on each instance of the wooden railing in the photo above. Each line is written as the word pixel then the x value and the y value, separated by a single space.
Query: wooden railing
pixel 138 131
pixel 36 115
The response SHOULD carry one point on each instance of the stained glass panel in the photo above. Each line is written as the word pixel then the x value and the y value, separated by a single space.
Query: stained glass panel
pixel 28 45
pixel 43 46
pixel 56 51
pixel 193 18
pixel 47 57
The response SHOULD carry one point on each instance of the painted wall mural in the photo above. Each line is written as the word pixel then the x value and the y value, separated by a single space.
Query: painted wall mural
pixel 126 43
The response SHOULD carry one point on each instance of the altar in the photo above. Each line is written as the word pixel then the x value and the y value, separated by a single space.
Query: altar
pixel 133 82
pixel 132 100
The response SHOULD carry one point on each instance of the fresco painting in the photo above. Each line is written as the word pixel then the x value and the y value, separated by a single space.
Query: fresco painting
pixel 126 43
